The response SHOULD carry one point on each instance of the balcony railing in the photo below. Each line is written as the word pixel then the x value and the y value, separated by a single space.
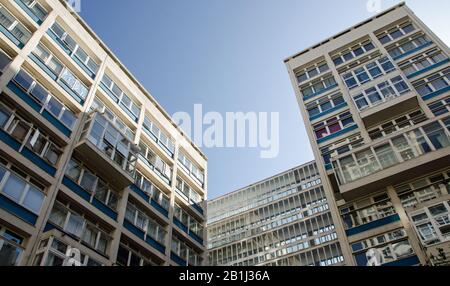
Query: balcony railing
pixel 35 10
pixel 398 149
pixel 13 29
pixel 368 214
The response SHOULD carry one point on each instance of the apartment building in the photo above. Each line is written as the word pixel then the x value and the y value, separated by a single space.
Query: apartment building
pixel 284 220
pixel 91 167
pixel 375 100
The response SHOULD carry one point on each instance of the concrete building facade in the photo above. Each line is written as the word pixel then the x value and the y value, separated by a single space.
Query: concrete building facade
pixel 91 166
pixel 284 220
pixel 375 100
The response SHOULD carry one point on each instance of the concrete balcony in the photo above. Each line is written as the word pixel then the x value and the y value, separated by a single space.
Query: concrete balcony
pixel 108 151
pixel 399 157
pixel 383 110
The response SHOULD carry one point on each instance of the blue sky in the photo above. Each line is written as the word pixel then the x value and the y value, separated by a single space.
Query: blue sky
pixel 228 55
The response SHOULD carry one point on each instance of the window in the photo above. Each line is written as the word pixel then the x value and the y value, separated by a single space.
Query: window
pixel 333 125
pixel 151 228
pixel 188 221
pixel 396 32
pixel 62 73
pixel 126 103
pixel 30 137
pixel 318 86
pixel 195 172
pixel 423 61
pixel 92 183
pixel 433 83
pixel 440 107
pixel 13 26
pixel 311 71
pixel 85 231
pixel 159 136
pixel 156 163
pixel 154 193
pixel 404 46
pixel 20 189
pixel 366 211
pixel 75 50
pixel 10 247
pixel 104 135
pixel 38 10
pixel 381 93
pixel 118 123
pixel 324 104
pixel 352 52
pixel 5 60
pixel 185 252
pixel 191 196
pixel 397 124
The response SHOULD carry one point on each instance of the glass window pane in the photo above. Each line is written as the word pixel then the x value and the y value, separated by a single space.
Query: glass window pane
pixel 34 199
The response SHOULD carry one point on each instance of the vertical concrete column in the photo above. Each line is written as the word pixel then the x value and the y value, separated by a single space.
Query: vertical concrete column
pixel 115 243
pixel 413 239
pixel 168 242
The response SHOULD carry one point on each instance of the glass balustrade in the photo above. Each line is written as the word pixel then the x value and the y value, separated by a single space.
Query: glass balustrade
pixel 404 147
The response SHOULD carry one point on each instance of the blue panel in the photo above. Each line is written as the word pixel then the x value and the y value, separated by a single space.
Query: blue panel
pixel 71 92
pixel 55 122
pixel 24 96
pixel 428 68
pixel 134 230
pixel 328 167
pixel 76 189
pixel 37 107
pixel 410 261
pixel 198 208
pixel 196 237
pixel 180 225
pixel 140 192
pixel 337 107
pixel 29 12
pixel 58 41
pixel 436 93
pixel 159 208
pixel 320 92
pixel 178 260
pixel 104 209
pixel 43 66
pixel 9 140
pixel 337 134
pixel 372 225
pixel 153 243
pixel 84 67
pixel 49 226
pixel 13 208
pixel 10 36
pixel 38 161
pixel 108 92
pixel 413 51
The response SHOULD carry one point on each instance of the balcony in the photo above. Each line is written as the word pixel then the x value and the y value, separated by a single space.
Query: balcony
pixel 389 106
pixel 35 10
pixel 107 150
pixel 397 158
